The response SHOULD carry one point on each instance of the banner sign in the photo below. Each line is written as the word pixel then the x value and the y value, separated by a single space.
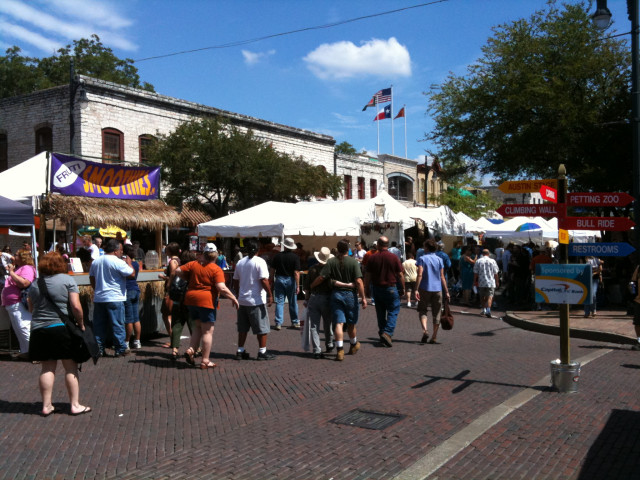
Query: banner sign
pixel 564 284
pixel 526 186
pixel 72 176
pixel 621 249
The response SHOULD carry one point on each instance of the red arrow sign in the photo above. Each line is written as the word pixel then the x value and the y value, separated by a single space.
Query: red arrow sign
pixel 530 210
pixel 619 224
pixel 549 194
pixel 588 199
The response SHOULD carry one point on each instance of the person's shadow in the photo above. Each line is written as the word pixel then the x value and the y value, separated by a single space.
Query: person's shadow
pixel 23 408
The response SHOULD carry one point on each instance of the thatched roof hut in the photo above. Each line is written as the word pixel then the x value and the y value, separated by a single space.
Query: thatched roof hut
pixel 150 214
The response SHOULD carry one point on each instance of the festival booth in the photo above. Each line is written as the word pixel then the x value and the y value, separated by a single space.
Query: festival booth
pixel 75 191
pixel 14 214
pixel 521 230
pixel 316 224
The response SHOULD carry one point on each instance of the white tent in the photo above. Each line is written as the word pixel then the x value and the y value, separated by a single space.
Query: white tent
pixel 26 180
pixel 470 225
pixel 441 219
pixel 508 231
pixel 329 218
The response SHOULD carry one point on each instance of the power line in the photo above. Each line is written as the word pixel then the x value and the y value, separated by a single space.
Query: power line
pixel 282 34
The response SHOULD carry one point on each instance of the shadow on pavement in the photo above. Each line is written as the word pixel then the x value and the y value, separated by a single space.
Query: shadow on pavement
pixel 614 453
pixel 466 382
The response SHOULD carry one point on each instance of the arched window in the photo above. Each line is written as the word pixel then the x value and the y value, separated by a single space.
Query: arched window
pixel 112 145
pixel 144 143
pixel 401 187
pixel 44 139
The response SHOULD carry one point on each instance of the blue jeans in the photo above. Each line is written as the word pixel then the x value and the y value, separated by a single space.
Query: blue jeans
pixel 131 313
pixel 591 306
pixel 285 287
pixel 387 308
pixel 109 315
pixel 344 306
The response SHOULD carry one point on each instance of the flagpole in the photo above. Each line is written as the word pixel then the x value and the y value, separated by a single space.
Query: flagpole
pixel 405 130
pixel 378 122
pixel 392 142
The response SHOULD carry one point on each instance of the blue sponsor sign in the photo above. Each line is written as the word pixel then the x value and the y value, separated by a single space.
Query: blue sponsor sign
pixel 564 284
pixel 621 249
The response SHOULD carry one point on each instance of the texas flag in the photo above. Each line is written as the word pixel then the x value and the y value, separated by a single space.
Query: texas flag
pixel 386 113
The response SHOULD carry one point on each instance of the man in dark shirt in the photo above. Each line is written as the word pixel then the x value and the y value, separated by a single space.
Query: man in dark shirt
pixel 384 274
pixel 285 273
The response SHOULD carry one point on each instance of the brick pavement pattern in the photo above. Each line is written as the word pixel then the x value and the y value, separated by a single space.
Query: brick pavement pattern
pixel 265 420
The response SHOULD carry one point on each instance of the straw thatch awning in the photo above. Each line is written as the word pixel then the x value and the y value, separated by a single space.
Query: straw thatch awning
pixel 150 214
pixel 192 218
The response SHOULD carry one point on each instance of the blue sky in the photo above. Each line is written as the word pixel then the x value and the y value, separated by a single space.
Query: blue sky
pixel 317 80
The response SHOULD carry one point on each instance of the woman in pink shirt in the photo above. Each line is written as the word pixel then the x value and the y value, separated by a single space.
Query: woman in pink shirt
pixel 19 276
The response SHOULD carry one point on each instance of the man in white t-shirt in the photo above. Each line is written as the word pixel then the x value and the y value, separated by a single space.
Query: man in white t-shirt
pixel 251 283
pixel 87 243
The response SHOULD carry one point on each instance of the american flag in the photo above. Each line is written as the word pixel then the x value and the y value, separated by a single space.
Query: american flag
pixel 383 96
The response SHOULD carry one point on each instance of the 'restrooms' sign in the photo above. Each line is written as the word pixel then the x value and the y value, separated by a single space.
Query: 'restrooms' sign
pixel 72 176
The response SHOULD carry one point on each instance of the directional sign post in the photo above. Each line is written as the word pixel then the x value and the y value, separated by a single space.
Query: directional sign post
pixel 621 249
pixel 607 199
pixel 530 210
pixel 526 186
pixel 618 224
pixel 549 194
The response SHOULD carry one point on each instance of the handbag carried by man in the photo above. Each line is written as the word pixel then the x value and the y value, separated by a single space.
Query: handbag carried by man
pixel 84 344
pixel 446 318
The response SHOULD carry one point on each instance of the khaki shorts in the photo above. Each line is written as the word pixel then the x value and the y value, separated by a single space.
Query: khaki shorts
pixel 486 291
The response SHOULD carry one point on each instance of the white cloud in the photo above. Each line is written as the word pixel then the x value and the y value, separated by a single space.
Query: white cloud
pixel 346 120
pixel 341 60
pixel 30 37
pixel 49 23
pixel 251 58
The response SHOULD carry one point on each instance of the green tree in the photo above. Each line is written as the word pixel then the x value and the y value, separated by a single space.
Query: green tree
pixel 217 167
pixel 346 148
pixel 548 90
pixel 475 204
pixel 19 74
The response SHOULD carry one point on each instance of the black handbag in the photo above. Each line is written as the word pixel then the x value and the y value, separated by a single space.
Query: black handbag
pixel 178 288
pixel 83 342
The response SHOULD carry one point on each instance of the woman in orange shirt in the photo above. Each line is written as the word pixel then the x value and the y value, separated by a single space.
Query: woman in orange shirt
pixel 206 282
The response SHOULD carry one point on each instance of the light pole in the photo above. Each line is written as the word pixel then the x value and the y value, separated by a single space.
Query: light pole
pixel 601 19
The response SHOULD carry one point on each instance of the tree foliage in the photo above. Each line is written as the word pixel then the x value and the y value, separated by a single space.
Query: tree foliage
pixel 548 90
pixel 20 74
pixel 217 167
pixel 346 148
pixel 474 205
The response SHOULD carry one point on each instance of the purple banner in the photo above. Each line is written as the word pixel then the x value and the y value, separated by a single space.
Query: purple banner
pixel 73 176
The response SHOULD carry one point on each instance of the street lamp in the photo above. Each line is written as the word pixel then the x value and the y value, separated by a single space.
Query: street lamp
pixel 601 19
pixel 74 85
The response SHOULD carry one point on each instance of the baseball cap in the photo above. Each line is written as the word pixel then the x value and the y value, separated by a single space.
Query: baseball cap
pixel 210 247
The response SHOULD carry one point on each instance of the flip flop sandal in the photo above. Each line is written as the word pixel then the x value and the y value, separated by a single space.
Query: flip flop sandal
pixel 82 412
pixel 205 366
pixel 189 356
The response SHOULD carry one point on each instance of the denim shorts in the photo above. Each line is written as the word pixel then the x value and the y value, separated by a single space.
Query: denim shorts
pixel 203 314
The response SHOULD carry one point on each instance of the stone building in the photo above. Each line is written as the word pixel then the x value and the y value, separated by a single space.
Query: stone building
pixel 430 184
pixel 362 175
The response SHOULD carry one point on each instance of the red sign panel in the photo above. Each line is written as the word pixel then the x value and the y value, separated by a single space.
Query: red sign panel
pixel 619 224
pixel 549 194
pixel 530 210
pixel 588 199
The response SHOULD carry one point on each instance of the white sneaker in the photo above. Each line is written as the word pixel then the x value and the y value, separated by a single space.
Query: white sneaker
pixel 137 345
pixel 408 304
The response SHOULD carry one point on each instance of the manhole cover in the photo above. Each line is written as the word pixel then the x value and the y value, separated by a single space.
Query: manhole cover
pixel 368 419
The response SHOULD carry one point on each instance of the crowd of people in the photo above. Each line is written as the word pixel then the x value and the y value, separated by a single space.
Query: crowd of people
pixel 336 283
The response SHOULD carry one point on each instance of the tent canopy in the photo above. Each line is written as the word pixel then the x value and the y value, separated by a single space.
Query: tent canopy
pixel 441 219
pixel 321 218
pixel 15 213
pixel 26 180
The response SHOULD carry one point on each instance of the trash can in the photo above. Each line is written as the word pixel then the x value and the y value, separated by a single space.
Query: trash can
pixel 564 377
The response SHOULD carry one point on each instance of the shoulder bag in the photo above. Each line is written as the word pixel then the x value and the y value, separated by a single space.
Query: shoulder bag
pixel 446 318
pixel 83 343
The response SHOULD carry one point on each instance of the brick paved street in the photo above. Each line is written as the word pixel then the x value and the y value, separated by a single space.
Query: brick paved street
pixel 268 420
